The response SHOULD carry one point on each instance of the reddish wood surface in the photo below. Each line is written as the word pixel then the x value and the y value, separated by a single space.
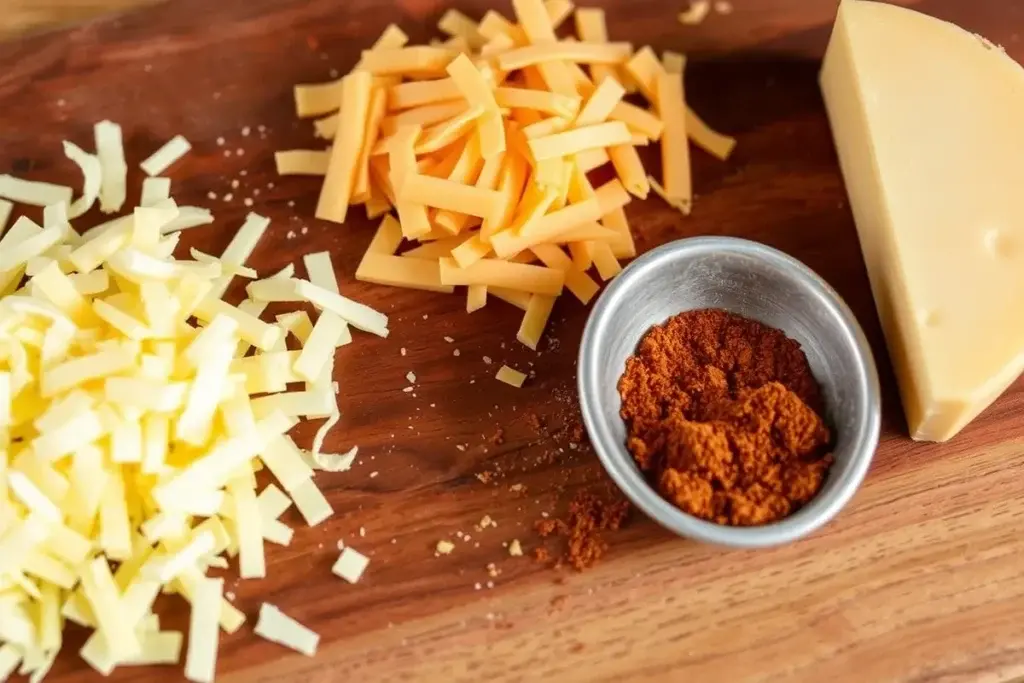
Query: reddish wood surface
pixel 917 580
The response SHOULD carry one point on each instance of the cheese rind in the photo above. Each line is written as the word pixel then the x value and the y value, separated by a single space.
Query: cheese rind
pixel 926 119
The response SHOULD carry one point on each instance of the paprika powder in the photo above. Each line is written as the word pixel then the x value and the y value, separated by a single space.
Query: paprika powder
pixel 723 416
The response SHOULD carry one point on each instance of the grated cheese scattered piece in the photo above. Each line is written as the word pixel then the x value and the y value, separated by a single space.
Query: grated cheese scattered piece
pixel 510 377
pixel 162 159
pixel 33 192
pixel 277 627
pixel 696 13
pixel 110 150
pixel 350 565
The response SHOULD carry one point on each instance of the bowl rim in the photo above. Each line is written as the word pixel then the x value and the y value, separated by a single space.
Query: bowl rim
pixel 617 461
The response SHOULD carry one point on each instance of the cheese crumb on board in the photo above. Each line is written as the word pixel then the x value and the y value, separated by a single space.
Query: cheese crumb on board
pixel 444 547
pixel 481 146
pixel 350 565
pixel 277 627
pixel 696 13
pixel 119 358
pixel 515 549
pixel 510 377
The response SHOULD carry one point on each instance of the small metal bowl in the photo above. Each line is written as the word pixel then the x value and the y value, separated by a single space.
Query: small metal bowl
pixel 757 282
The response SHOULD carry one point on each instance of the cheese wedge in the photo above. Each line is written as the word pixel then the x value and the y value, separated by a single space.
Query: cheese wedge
pixel 927 122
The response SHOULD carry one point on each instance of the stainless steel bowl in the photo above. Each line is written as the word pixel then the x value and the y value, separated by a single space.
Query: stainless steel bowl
pixel 761 283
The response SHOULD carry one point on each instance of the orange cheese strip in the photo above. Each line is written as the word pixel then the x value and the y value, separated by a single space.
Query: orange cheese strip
pixel 548 172
pixel 457 25
pixel 345 152
pixel 387 238
pixel 477 91
pixel 510 187
pixel 426 115
pixel 476 298
pixel 496 45
pixel 302 161
pixel 470 251
pixel 710 140
pixel 507 243
pixel 645 70
pixel 411 214
pixel 563 186
pixel 380 172
pixel 601 103
pixel 442 193
pixel 538 311
pixel 582 254
pixel 435 249
pixel 579 283
pixel 315 99
pixel 378 103
pixel 538 100
pixel 407 61
pixel 622 243
pixel 591 28
pixel 579 139
pixel 487 179
pixel 580 188
pixel 518 299
pixel 604 260
pixel 638 119
pixel 444 134
pixel 591 230
pixel 536 25
pixel 421 93
pixel 466 170
pixel 673 62
pixel 612 195
pixel 535 204
pixel 580 81
pixel 498 273
pixel 578 53
pixel 545 127
pixel 443 166
pixel 558 11
pixel 493 25
pixel 590 159
pixel 630 170
pixel 675 149
pixel 399 271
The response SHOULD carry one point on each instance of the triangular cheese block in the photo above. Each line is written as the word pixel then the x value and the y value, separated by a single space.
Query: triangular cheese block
pixel 928 120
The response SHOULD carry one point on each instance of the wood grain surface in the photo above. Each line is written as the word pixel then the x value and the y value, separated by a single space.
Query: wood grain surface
pixel 917 580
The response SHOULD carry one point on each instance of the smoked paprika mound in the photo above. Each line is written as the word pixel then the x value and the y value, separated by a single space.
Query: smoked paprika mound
pixel 723 416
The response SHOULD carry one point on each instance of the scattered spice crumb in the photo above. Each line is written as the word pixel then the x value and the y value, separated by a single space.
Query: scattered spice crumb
pixel 477 586
pixel 211 195
pixel 490 584
pixel 498 437
pixel 448 339
pixel 589 515
pixel 492 570
pixel 290 234
pixel 228 197
pixel 558 602
pixel 234 184
pixel 485 477
pixel 515 549
pixel 541 555
pixel 247 201
pixel 486 521
pixel 517 488
pixel 291 203
pixel 240 151
pixel 304 229
pixel 220 142
pixel 445 547
pixel 362 532
pixel 487 360
pixel 374 474
pixel 402 350
pixel 245 131
pixel 456 352
pixel 227 152
pixel 460 447
pixel 256 192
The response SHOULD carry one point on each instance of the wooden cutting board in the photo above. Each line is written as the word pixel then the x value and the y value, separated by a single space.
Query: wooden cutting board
pixel 918 579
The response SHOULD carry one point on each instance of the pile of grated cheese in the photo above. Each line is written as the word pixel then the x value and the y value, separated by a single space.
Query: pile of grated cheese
pixel 137 406
pixel 481 146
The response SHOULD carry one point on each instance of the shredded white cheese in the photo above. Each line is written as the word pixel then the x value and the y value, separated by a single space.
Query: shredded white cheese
pixel 277 627
pixel 160 160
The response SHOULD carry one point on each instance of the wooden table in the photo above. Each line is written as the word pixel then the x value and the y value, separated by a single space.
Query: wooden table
pixel 918 580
